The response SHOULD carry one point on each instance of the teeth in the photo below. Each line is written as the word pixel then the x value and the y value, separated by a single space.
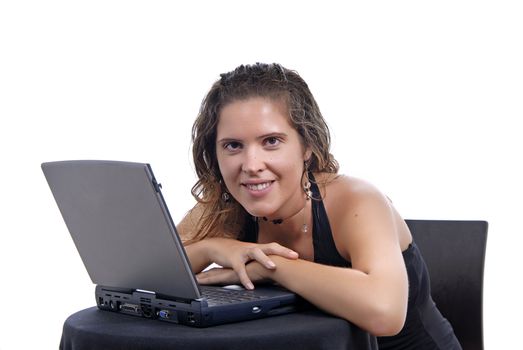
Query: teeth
pixel 258 187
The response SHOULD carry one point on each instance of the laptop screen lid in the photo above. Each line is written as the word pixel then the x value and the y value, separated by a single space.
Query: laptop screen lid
pixel 121 227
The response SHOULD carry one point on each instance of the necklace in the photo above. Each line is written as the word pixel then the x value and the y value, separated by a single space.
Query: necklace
pixel 308 196
pixel 304 227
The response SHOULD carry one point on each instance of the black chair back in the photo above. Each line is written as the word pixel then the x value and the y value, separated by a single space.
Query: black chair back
pixel 455 255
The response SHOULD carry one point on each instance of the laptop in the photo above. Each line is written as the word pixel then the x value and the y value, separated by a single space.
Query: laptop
pixel 120 224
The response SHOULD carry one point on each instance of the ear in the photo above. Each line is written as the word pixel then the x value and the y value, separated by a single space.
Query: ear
pixel 308 153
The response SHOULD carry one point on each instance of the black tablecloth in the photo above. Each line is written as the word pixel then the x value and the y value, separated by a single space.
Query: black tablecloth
pixel 95 329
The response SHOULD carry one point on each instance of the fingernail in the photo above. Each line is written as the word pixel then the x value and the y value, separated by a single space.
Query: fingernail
pixel 271 265
pixel 250 286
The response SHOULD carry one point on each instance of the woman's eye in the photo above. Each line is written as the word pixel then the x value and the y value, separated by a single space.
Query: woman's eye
pixel 272 141
pixel 232 146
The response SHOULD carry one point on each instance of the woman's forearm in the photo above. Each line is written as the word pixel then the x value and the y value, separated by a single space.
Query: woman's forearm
pixel 347 293
pixel 198 254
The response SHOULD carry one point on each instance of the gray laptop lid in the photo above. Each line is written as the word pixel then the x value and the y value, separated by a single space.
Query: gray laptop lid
pixel 121 227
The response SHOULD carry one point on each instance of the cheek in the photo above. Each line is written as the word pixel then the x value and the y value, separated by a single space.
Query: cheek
pixel 228 168
pixel 288 167
pixel 292 159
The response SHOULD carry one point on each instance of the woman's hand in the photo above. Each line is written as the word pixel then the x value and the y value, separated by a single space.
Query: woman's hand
pixel 225 276
pixel 234 254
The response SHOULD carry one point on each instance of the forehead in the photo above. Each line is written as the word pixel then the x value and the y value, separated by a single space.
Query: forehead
pixel 253 114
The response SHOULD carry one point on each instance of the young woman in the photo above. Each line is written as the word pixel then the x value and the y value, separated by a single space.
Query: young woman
pixel 271 207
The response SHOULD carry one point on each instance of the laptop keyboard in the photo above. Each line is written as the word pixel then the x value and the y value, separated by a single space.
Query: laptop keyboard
pixel 220 296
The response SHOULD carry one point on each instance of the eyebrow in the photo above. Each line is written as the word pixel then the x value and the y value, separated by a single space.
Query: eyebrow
pixel 271 134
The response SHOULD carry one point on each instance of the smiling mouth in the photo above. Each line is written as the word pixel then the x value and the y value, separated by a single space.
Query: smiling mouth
pixel 258 187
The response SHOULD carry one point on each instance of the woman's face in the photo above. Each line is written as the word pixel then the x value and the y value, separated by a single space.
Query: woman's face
pixel 261 157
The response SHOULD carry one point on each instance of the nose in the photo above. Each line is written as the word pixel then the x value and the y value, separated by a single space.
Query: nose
pixel 253 160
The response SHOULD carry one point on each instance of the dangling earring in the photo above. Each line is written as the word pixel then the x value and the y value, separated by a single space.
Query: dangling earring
pixel 307 189
pixel 226 197
pixel 308 196
pixel 307 184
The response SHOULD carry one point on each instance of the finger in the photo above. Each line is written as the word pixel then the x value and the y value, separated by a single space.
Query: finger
pixel 242 275
pixel 278 249
pixel 216 276
pixel 204 278
pixel 258 255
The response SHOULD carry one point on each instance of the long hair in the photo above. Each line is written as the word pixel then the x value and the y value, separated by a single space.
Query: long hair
pixel 226 219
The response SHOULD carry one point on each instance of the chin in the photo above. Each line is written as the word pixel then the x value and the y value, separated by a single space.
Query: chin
pixel 259 212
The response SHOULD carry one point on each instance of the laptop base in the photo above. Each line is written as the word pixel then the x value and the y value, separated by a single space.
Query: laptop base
pixel 195 313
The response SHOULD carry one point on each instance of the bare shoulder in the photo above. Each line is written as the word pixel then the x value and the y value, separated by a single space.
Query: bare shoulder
pixel 335 188
pixel 351 201
pixel 360 215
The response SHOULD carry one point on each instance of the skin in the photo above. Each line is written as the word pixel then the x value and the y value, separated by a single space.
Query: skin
pixel 261 159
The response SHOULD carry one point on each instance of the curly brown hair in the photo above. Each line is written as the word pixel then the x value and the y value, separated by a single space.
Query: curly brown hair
pixel 226 219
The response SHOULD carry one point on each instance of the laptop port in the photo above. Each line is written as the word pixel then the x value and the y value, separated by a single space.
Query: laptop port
pixel 164 314
pixel 190 318
pixel 146 310
pixel 131 308
pixel 168 315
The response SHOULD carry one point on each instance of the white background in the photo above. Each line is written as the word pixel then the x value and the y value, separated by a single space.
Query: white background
pixel 422 99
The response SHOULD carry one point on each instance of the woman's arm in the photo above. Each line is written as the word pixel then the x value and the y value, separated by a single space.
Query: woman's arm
pixel 367 300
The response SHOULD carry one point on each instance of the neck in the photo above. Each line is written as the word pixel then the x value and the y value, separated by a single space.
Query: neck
pixel 278 221
pixel 297 222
